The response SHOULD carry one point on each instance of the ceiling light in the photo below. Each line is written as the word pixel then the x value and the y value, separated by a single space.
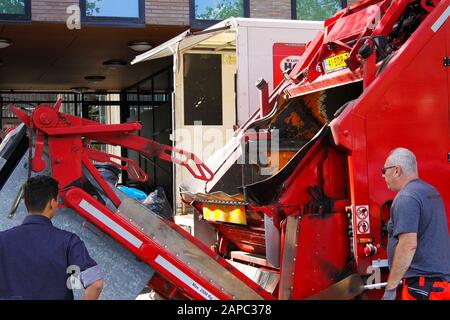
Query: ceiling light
pixel 114 64
pixel 5 43
pixel 95 78
pixel 140 45
pixel 79 89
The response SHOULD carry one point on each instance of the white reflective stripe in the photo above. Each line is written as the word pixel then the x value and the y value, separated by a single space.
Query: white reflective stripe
pixel 440 21
pixel 184 278
pixel 114 226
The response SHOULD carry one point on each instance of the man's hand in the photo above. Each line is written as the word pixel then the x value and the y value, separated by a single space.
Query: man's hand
pixel 93 291
pixel 390 294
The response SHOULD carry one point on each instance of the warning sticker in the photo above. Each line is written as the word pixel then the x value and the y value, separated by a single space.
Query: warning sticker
pixel 362 213
pixel 363 227
pixel 362 219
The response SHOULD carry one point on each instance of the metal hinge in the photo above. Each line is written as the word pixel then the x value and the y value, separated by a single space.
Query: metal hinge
pixel 446 61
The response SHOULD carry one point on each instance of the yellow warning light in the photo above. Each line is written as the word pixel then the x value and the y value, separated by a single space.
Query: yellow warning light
pixel 223 213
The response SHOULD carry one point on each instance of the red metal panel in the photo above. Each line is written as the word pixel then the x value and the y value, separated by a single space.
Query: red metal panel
pixel 150 250
pixel 335 175
pixel 246 239
pixel 308 173
pixel 65 159
pixel 397 109
pixel 322 254
pixel 414 114
pixel 351 25
pixel 337 78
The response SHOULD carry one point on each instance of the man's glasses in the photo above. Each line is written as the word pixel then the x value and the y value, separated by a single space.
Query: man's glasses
pixel 383 170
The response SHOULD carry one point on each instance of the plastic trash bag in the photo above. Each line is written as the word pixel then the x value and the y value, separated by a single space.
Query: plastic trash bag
pixel 158 203
pixel 108 171
pixel 133 193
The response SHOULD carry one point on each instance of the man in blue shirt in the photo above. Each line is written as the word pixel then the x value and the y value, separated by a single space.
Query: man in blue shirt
pixel 38 259
pixel 419 243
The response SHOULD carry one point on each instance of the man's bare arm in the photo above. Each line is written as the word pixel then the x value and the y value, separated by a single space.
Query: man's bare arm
pixel 403 256
pixel 93 291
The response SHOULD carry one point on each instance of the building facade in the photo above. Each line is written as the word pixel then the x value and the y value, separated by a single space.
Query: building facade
pixel 165 12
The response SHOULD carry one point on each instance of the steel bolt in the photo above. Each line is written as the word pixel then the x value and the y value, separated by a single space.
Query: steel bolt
pixel 44 119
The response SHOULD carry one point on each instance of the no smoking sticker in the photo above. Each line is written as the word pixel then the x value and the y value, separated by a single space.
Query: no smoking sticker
pixel 362 213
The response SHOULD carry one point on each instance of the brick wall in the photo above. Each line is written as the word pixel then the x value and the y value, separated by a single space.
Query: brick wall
pixel 50 10
pixel 167 12
pixel 275 9
pixel 162 12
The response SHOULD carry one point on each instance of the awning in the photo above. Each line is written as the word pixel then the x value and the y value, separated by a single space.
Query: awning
pixel 220 36
pixel 216 37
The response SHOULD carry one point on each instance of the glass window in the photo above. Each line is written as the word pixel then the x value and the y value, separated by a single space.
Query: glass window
pixel 316 9
pixel 112 8
pixel 113 11
pixel 202 89
pixel 208 12
pixel 12 6
pixel 15 10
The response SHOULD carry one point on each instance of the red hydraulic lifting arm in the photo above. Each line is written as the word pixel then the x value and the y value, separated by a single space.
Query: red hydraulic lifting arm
pixel 181 262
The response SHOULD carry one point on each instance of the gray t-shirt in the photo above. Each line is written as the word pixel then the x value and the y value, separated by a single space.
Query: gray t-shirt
pixel 418 208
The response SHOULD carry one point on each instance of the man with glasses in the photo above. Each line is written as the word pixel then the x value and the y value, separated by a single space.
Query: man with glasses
pixel 419 243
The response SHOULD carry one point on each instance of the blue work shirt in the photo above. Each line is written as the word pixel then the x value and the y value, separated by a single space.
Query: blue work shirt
pixel 36 260
pixel 418 208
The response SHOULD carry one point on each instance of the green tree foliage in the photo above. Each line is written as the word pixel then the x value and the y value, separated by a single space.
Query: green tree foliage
pixel 224 9
pixel 12 6
pixel 317 9
pixel 92 7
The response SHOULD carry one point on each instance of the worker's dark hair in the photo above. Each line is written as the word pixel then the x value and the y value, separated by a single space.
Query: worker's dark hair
pixel 38 191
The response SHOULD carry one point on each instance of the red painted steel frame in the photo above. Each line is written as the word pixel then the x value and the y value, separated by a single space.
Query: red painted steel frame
pixel 69 153
pixel 150 250
pixel 404 105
